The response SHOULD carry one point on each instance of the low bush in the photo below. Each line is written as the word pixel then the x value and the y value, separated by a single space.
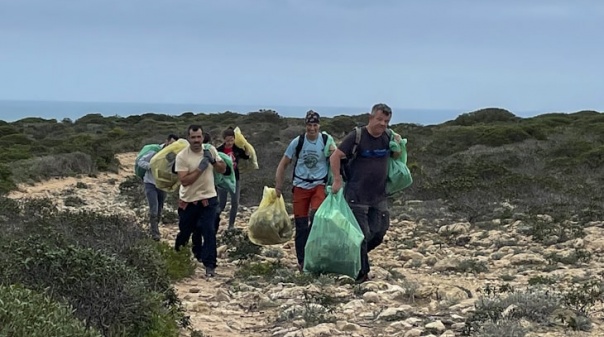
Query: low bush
pixel 53 166
pixel 28 313
pixel 116 277
pixel 103 290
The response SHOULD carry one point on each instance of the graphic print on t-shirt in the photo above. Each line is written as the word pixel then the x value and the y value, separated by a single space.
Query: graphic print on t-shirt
pixel 229 151
pixel 310 158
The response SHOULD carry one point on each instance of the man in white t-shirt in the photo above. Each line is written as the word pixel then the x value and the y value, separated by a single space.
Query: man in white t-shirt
pixel 198 199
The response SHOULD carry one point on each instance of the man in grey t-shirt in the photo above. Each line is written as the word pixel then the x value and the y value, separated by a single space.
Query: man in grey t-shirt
pixel 366 177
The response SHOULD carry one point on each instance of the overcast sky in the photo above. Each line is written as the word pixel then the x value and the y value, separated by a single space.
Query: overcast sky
pixel 545 55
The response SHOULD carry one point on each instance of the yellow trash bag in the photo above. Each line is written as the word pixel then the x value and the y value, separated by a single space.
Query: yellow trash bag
pixel 242 143
pixel 270 223
pixel 162 166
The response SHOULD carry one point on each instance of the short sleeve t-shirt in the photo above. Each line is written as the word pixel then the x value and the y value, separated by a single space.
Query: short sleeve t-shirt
pixel 368 172
pixel 312 163
pixel 229 151
pixel 203 187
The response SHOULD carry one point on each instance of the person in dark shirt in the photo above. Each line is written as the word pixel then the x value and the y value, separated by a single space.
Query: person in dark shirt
pixel 366 176
pixel 236 153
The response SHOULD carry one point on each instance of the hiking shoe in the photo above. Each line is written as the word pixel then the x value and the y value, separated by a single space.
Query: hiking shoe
pixel 362 278
pixel 210 272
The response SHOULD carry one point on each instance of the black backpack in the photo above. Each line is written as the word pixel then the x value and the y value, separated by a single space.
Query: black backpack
pixel 345 162
pixel 297 153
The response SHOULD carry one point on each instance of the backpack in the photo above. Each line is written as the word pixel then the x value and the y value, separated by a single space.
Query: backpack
pixel 297 153
pixel 346 162
pixel 399 175
pixel 139 171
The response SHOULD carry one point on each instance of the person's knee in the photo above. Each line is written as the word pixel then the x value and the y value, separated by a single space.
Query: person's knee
pixel 301 222
pixel 301 207
pixel 311 214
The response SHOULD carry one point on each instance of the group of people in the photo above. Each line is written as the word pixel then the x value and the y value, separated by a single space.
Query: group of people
pixel 362 160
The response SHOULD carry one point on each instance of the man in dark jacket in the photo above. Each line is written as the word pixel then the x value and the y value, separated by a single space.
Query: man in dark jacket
pixel 236 153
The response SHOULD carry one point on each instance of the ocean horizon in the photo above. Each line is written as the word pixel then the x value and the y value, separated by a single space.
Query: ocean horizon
pixel 13 110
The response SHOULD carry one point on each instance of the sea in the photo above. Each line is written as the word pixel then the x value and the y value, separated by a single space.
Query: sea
pixel 13 110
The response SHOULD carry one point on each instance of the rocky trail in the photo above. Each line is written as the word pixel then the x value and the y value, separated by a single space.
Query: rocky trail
pixel 426 278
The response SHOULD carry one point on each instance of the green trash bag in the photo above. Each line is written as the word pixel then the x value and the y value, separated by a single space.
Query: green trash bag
pixel 399 175
pixel 225 181
pixel 139 171
pixel 334 242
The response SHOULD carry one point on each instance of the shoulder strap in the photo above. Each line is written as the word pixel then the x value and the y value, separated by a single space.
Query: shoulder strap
pixel 299 146
pixel 297 154
pixel 357 140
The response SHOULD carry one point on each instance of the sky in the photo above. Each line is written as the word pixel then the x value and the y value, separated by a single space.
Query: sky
pixel 538 55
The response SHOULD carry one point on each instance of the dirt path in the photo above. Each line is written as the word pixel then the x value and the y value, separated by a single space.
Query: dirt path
pixel 199 295
pixel 381 309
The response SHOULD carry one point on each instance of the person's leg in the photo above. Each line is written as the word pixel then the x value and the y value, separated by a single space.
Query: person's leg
pixel 379 223
pixel 301 204
pixel 186 226
pixel 222 198
pixel 161 200
pixel 361 215
pixel 234 205
pixel 151 194
pixel 205 224
pixel 316 200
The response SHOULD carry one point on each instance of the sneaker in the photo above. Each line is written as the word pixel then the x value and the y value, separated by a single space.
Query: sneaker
pixel 210 272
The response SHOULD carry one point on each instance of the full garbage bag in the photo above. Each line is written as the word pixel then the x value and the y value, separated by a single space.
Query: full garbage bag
pixel 226 181
pixel 399 175
pixel 242 143
pixel 334 242
pixel 139 171
pixel 162 166
pixel 270 224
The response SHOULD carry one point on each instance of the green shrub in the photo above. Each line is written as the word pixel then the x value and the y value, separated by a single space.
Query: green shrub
pixel 179 263
pixel 6 130
pixel 17 138
pixel 484 116
pixel 26 313
pixel 102 289
pixel 239 245
pixel 6 180
pixel 114 256
pixel 9 154
pixel 53 166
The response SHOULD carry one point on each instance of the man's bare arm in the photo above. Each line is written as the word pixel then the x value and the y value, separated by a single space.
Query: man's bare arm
pixel 280 174
pixel 187 178
pixel 334 163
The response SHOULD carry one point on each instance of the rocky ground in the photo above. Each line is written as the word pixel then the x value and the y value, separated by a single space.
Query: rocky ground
pixel 428 278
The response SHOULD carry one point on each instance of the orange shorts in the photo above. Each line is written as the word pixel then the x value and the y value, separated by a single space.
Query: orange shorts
pixel 305 200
